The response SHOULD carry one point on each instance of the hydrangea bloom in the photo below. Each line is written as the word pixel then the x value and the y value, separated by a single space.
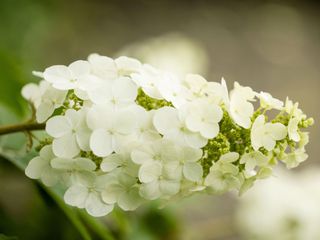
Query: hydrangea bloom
pixel 121 132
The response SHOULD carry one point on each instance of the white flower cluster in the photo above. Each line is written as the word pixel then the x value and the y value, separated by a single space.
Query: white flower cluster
pixel 122 132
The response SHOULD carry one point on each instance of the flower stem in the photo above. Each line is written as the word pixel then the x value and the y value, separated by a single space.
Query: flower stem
pixel 21 127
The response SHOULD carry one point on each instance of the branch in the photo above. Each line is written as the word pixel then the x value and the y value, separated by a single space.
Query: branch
pixel 22 127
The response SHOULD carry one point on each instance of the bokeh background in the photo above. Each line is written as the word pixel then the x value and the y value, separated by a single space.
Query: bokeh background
pixel 272 46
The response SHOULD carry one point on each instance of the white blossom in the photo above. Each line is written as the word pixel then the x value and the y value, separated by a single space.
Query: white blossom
pixel 87 194
pixel 223 174
pixel 123 190
pixel 110 128
pixel 67 77
pixel 266 134
pixel 241 109
pixel 204 117
pixel 120 93
pixel 252 160
pixel 269 102
pixel 70 133
pixel 171 123
pixel 148 79
pixel 40 167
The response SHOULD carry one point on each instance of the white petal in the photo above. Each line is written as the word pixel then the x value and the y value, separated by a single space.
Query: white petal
pixel 130 200
pixel 36 167
pixel 168 187
pixel 57 74
pixel 62 163
pixel 101 143
pixel 127 65
pixel 79 68
pixel 268 143
pixel 277 130
pixel 124 88
pixel 76 196
pixel 193 122
pixel 66 146
pixel 99 116
pixel 150 190
pixel 50 177
pixel 165 119
pixel 101 93
pixel 125 122
pixel 172 170
pixel 111 193
pixel 95 207
pixel 85 164
pixel 149 172
pixel 229 157
pixel 44 111
pixel 31 92
pixel 195 140
pixel 191 154
pixel 104 67
pixel 140 157
pixel 210 130
pixel 83 139
pixel 58 126
pixel 111 162
pixel 192 171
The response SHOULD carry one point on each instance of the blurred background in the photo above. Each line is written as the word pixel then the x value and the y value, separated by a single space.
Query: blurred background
pixel 272 46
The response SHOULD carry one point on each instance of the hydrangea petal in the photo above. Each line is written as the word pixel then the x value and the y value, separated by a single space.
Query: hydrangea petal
pixel 101 143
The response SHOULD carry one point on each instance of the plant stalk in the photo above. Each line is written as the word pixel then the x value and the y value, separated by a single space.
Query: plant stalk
pixel 21 127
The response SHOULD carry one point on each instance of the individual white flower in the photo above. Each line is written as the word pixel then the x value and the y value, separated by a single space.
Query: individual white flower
pixel 87 194
pixel 109 69
pixel 293 159
pixel 171 123
pixel 251 160
pixel 204 117
pixel 157 180
pixel 126 66
pixel 241 110
pixel 44 98
pixel 185 163
pixel 293 129
pixel 123 190
pixel 293 109
pixel 266 134
pixel 151 156
pixel 119 93
pixel 34 92
pixel 71 133
pixel 269 102
pixel 224 175
pixel 148 79
pixel 162 186
pixel 199 87
pixel 121 161
pixel 172 90
pixel 67 77
pixel 103 67
pixel 40 168
pixel 110 128
pixel 144 131
pixel 73 168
